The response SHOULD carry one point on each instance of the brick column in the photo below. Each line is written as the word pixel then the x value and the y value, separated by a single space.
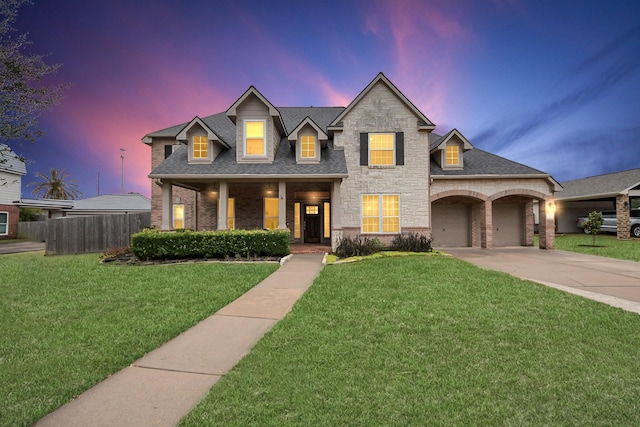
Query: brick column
pixel 529 223
pixel 547 228
pixel 622 213
pixel 486 229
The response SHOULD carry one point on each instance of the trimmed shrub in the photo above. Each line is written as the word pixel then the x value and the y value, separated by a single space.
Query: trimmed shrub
pixel 358 246
pixel 153 244
pixel 411 242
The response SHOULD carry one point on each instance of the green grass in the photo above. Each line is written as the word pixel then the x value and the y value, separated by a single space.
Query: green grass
pixel 68 322
pixel 607 245
pixel 434 341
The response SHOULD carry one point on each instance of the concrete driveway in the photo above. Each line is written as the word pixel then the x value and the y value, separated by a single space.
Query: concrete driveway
pixel 608 280
pixel 14 247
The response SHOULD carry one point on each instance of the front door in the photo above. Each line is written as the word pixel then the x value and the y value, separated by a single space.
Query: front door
pixel 312 224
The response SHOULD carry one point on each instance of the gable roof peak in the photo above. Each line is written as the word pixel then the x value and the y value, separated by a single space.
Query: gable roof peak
pixel 424 122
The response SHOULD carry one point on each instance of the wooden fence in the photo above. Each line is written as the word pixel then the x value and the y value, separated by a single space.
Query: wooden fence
pixel 86 234
pixel 33 230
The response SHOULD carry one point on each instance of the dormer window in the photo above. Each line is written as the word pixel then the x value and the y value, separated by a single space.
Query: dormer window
pixel 308 147
pixel 254 131
pixel 452 155
pixel 200 147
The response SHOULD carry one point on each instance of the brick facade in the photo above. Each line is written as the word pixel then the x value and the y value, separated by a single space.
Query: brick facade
pixel 14 216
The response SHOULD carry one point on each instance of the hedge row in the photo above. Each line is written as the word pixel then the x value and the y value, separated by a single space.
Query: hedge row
pixel 154 244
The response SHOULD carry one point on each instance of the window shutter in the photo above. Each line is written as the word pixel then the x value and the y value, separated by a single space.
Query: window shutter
pixel 399 148
pixel 364 149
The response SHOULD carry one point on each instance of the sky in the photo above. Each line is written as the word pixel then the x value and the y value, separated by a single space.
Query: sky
pixel 551 84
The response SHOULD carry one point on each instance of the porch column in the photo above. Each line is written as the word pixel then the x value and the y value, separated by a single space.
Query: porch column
pixel 223 203
pixel 282 204
pixel 486 227
pixel 167 205
pixel 335 204
pixel 622 213
pixel 547 228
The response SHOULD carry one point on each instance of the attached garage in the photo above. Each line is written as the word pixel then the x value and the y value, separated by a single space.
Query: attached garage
pixel 451 224
pixel 508 224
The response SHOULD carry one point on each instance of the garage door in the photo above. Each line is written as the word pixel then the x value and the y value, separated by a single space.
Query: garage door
pixel 450 225
pixel 508 224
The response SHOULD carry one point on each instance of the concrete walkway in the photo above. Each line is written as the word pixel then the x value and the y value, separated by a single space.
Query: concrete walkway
pixel 166 384
pixel 611 281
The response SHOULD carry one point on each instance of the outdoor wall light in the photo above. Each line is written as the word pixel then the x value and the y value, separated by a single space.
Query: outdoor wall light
pixel 625 205
pixel 551 208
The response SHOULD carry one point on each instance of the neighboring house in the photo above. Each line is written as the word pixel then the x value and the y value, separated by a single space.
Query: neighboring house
pixel 373 168
pixel 12 168
pixel 49 208
pixel 109 204
pixel 613 191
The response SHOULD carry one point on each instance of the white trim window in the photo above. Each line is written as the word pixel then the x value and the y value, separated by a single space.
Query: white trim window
pixel 4 223
pixel 307 147
pixel 271 213
pixel 200 147
pixel 380 213
pixel 382 149
pixel 178 216
pixel 452 155
pixel 255 141
pixel 231 213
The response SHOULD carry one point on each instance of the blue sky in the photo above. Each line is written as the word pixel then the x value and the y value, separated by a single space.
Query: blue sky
pixel 551 84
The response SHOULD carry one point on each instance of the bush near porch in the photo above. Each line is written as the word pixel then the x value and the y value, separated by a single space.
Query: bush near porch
pixel 153 244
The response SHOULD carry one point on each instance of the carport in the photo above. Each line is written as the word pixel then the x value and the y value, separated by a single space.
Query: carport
pixel 618 191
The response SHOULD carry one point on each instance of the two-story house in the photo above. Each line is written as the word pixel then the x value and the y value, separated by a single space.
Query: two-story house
pixel 372 168
pixel 12 168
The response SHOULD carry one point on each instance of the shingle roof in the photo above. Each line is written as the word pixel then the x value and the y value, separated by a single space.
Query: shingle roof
pixel 10 162
pixel 601 185
pixel 114 202
pixel 479 162
pixel 333 161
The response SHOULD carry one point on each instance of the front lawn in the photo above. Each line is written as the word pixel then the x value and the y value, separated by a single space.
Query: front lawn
pixel 607 245
pixel 434 341
pixel 68 322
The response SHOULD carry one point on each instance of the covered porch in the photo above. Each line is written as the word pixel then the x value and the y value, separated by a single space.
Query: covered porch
pixel 306 207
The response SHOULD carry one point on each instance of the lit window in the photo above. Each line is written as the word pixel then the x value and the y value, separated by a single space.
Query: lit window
pixel 327 220
pixel 200 147
pixel 380 214
pixel 254 138
pixel 370 214
pixel 231 214
pixel 312 210
pixel 4 223
pixel 452 156
pixel 381 149
pixel 296 220
pixel 178 216
pixel 271 208
pixel 308 147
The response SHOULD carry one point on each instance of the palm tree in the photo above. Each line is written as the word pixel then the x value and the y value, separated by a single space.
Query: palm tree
pixel 56 186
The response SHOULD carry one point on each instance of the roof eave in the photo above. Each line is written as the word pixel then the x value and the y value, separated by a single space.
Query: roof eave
pixel 246 176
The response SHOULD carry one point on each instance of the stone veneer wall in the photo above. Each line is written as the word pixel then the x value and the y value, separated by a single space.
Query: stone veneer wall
pixel 380 110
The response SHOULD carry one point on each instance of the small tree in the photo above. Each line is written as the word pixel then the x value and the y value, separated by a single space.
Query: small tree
pixel 592 224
